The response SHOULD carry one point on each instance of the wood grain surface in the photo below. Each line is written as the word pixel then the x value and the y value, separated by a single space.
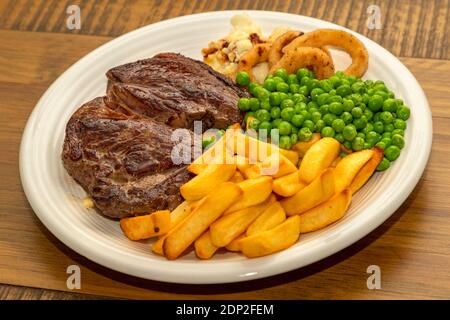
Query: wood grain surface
pixel 412 247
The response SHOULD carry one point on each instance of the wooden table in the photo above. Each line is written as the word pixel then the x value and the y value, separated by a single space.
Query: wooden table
pixel 412 247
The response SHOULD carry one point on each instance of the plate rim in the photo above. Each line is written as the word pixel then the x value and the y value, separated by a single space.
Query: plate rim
pixel 353 235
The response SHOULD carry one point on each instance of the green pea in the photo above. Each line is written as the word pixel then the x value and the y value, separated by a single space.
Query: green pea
pixel 380 87
pixel 398 131
pixel 332 93
pixel 403 113
pixel 276 123
pixel 361 135
pixel 287 103
pixel 287 113
pixel 390 105
pixel 285 128
pixel 208 141
pixel 252 86
pixel 242 78
pixel 355 97
pixel 299 107
pixel 347 117
pixel 398 140
pixel 275 99
pixel 389 127
pixel 336 108
pixel 384 165
pixel 343 90
pixel 316 92
pixel 349 132
pixel 314 83
pixel 285 142
pixel 248 114
pixel 358 87
pixel 312 109
pixel 282 73
pixel 312 104
pixel 308 124
pixel 322 99
pixel 342 154
pixel 275 112
pixel 265 125
pixel 386 117
pixel 338 125
pixel 351 79
pixel 283 96
pixel 358 144
pixel 360 123
pixel 265 104
pixel 381 145
pixel 334 99
pixel 329 118
pixel 392 153
pixel 365 98
pixel 375 103
pixel 293 88
pixel 368 114
pixel 292 79
pixel 244 104
pixel 335 81
pixel 347 144
pixel 315 116
pixel 324 109
pixel 304 134
pixel 400 124
pixel 294 138
pixel 303 72
pixel 303 90
pixel 378 127
pixel 367 145
pixel 254 104
pixel 270 84
pixel 361 105
pixel 326 85
pixel 320 124
pixel 387 142
pixel 254 124
pixel 297 120
pixel 348 105
pixel 357 112
pixel 372 137
pixel 368 128
pixel 282 87
pixel 327 132
pixel 386 135
pixel 384 95
pixel 262 115
pixel 261 93
pixel 339 137
pixel 306 114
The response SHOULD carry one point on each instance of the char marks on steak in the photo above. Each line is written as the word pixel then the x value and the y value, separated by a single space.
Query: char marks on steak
pixel 118 147
pixel 176 90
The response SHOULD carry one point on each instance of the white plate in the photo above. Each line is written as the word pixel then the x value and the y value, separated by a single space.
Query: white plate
pixel 56 198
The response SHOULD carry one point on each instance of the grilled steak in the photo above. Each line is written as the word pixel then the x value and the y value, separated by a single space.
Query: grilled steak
pixel 118 147
pixel 176 90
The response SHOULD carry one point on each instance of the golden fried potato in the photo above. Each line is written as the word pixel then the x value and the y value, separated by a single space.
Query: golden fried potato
pixel 230 226
pixel 279 238
pixel 234 245
pixel 302 146
pixel 182 236
pixel 270 218
pixel 276 165
pixel 237 177
pixel 326 213
pixel 256 150
pixel 275 52
pixel 320 190
pixel 337 38
pixel 259 53
pixel 367 170
pixel 204 248
pixel 347 169
pixel 207 180
pixel 144 227
pixel 255 191
pixel 179 213
pixel 318 157
pixel 288 185
pixel 306 57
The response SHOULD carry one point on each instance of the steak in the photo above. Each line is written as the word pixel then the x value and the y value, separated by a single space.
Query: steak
pixel 177 91
pixel 118 147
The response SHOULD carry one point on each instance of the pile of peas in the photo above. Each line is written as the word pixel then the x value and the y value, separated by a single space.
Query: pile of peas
pixel 359 114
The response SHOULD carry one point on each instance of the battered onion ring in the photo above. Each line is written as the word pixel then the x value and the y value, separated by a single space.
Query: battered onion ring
pixel 337 38
pixel 259 53
pixel 306 57
pixel 275 52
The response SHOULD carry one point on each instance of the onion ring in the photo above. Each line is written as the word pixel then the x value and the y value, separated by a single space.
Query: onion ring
pixel 275 52
pixel 337 38
pixel 306 57
pixel 259 53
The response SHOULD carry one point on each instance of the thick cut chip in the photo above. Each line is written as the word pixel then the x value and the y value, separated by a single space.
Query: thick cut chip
pixel 288 185
pixel 347 169
pixel 144 227
pixel 270 218
pixel 302 146
pixel 204 248
pixel 255 191
pixel 367 170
